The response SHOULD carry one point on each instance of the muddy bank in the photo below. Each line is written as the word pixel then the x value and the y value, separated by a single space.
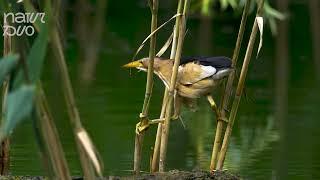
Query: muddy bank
pixel 175 174
pixel 197 175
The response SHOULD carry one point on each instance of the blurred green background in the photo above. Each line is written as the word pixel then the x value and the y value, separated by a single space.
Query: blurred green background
pixel 277 129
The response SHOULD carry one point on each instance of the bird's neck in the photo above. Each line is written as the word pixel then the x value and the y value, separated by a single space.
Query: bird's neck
pixel 164 72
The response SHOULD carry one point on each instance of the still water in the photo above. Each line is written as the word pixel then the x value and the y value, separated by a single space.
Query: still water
pixel 277 127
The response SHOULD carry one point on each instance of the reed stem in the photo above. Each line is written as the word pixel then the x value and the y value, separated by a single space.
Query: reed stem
pixel 149 85
pixel 50 136
pixel 181 25
pixel 5 144
pixel 157 143
pixel 71 105
pixel 239 89
pixel 228 88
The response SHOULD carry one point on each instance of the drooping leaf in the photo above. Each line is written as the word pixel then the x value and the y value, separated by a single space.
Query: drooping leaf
pixel 29 8
pixel 6 65
pixel 152 33
pixel 35 58
pixel 165 46
pixel 90 150
pixel 19 106
pixel 273 13
pixel 260 26
pixel 205 7
pixel 226 3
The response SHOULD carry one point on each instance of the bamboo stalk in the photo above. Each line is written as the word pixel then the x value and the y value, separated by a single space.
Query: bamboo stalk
pixel 71 105
pixel 149 85
pixel 5 144
pixel 50 136
pixel 166 127
pixel 239 89
pixel 228 88
pixel 157 142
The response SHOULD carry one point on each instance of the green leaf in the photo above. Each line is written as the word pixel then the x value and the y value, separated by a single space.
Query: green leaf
pixel 224 4
pixel 7 63
pixel 35 57
pixel 19 106
pixel 273 13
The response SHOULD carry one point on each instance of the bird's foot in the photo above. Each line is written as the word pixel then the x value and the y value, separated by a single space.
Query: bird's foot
pixel 143 124
pixel 140 127
pixel 175 117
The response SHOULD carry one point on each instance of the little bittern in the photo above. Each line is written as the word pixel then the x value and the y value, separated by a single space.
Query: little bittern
pixel 197 76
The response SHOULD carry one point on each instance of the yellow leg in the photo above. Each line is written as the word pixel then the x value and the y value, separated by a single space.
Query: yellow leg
pixel 177 107
pixel 214 107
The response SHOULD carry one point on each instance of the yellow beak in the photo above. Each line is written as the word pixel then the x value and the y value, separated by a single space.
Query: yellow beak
pixel 133 64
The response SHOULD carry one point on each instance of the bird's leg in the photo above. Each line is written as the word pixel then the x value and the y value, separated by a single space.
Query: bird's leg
pixel 143 124
pixel 177 107
pixel 214 107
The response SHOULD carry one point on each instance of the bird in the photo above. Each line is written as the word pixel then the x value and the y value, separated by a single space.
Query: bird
pixel 197 76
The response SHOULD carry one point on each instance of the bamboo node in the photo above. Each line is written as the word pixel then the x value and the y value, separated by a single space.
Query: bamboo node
pixel 142 116
pixel 171 93
pixel 223 119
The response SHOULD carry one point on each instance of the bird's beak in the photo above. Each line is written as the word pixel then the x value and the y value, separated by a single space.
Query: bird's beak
pixel 134 64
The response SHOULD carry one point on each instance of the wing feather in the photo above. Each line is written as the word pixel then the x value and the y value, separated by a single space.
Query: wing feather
pixel 191 73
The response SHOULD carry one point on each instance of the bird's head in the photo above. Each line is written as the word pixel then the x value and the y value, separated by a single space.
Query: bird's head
pixel 144 63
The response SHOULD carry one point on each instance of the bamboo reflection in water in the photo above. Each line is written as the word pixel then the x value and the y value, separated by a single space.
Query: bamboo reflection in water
pixel 89 32
pixel 314 6
pixel 281 90
pixel 200 128
pixel 252 141
pixel 205 36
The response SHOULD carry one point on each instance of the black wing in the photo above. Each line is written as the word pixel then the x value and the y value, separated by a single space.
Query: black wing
pixel 219 62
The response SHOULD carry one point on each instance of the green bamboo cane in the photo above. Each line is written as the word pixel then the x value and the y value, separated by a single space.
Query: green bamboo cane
pixel 149 85
pixel 228 88
pixel 156 148
pixel 51 138
pixel 5 144
pixel 239 89
pixel 166 127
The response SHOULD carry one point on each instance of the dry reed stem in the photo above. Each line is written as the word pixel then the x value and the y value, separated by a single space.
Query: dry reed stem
pixel 228 88
pixel 5 144
pixel 149 85
pixel 166 127
pixel 157 143
pixel 239 89
pixel 50 136
pixel 71 105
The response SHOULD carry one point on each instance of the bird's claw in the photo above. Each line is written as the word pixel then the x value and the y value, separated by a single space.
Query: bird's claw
pixel 175 117
pixel 140 127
